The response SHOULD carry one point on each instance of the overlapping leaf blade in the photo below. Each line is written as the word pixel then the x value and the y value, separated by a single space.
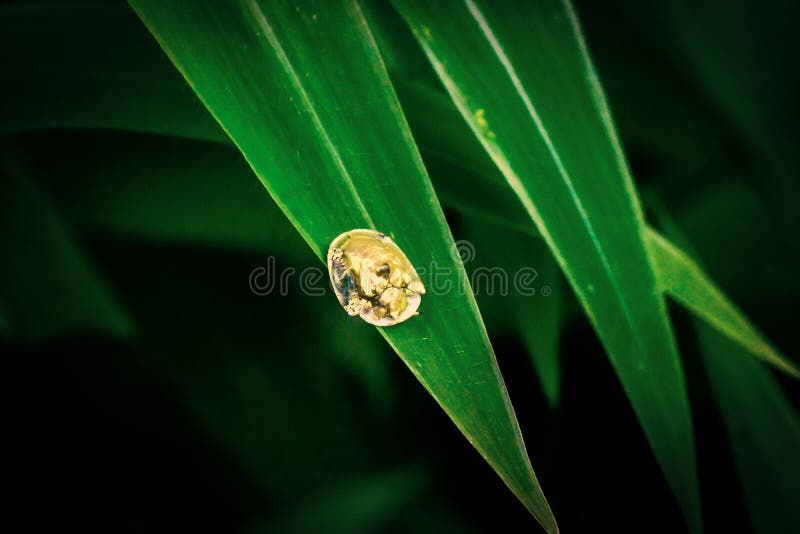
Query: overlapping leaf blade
pixel 442 135
pixel 333 149
pixel 681 278
pixel 523 81
pixel 152 114
pixel 438 128
pixel 762 425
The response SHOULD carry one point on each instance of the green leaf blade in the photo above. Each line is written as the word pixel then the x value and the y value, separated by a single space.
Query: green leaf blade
pixel 333 149
pixel 682 279
pixel 762 425
pixel 551 139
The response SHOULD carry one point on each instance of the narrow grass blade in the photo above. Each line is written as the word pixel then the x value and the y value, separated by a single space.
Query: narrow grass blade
pixel 333 149
pixel 682 279
pixel 523 81
pixel 437 126
pixel 441 133
pixel 762 425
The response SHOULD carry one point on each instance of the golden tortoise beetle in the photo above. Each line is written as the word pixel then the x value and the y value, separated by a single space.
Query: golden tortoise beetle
pixel 373 278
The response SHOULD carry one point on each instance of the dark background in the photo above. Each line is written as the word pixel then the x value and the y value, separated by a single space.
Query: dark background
pixel 222 414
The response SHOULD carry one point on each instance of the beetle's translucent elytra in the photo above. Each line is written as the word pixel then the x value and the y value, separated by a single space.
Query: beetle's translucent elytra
pixel 373 278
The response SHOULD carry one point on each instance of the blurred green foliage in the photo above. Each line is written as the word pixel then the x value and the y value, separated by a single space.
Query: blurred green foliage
pixel 156 390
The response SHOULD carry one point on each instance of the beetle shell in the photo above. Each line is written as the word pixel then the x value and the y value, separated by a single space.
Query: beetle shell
pixel 373 278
